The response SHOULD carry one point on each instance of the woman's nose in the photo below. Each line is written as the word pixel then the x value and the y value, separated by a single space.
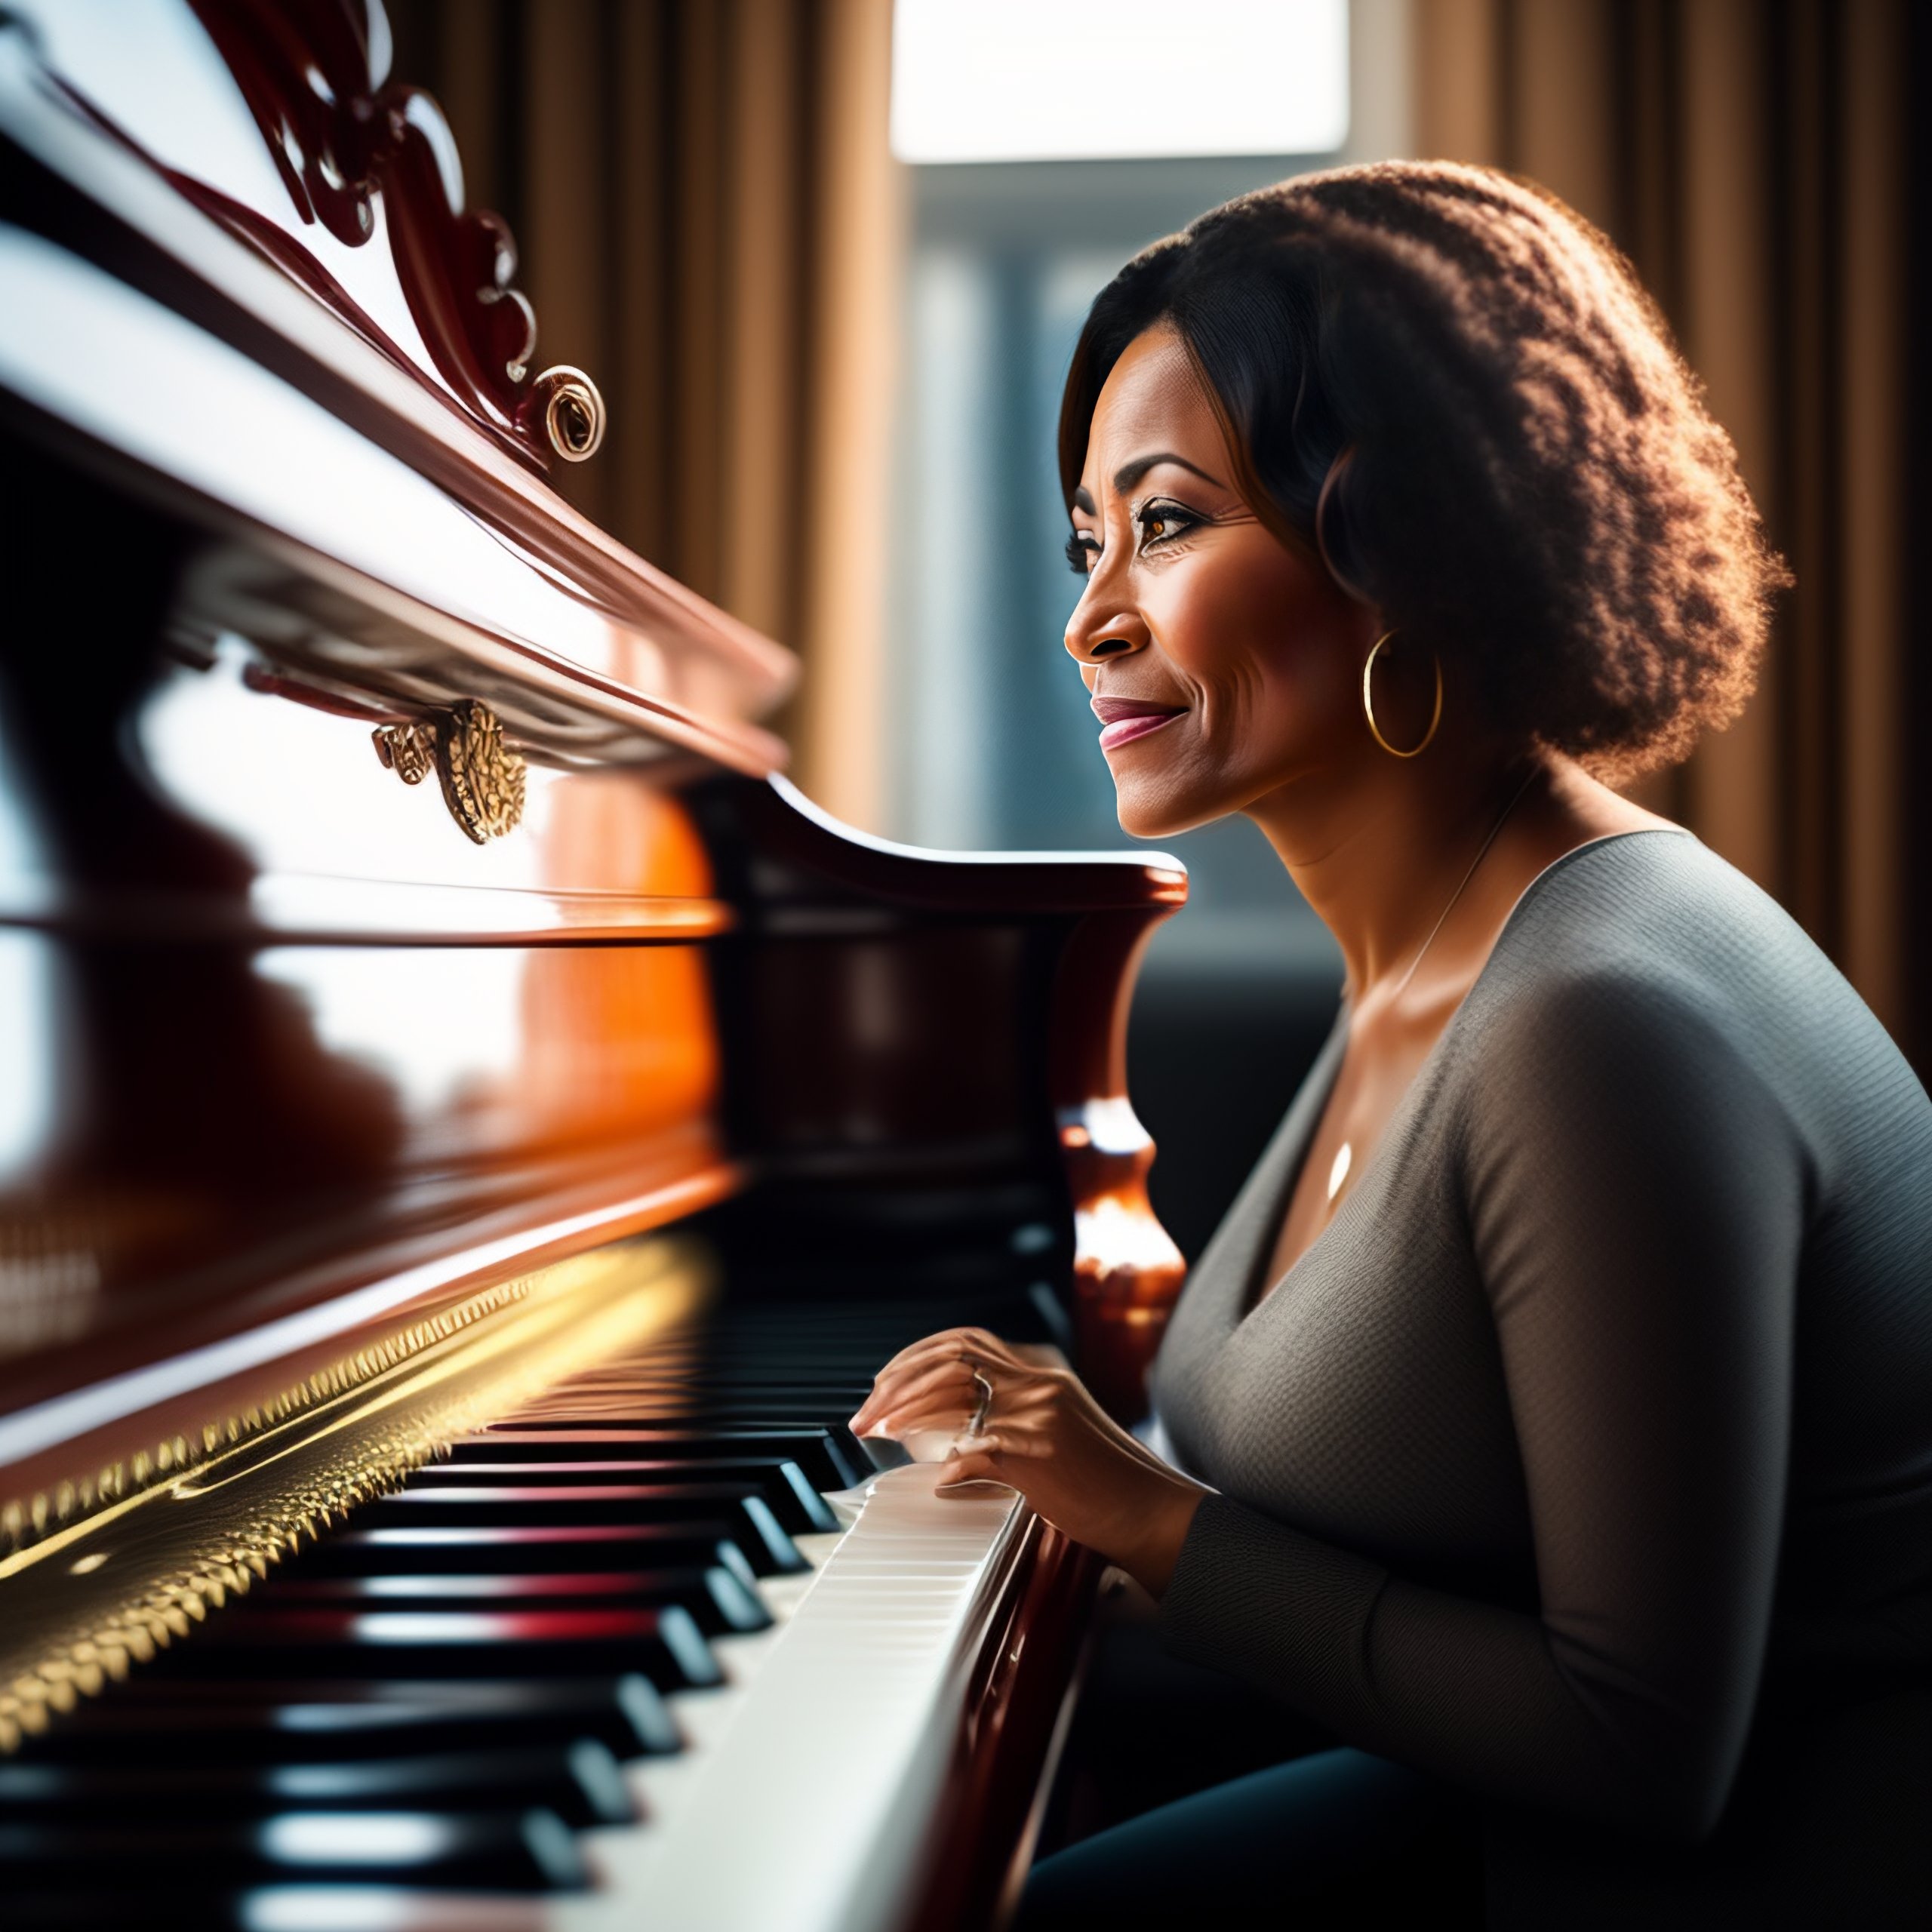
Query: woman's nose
pixel 1095 634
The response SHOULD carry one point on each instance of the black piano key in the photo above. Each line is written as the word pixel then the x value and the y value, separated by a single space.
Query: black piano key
pixel 820 1452
pixel 799 1407
pixel 530 1851
pixel 292 1719
pixel 304 1905
pixel 665 1645
pixel 798 1505
pixel 708 1421
pixel 579 1782
pixel 720 1601
pixel 748 1517
pixel 817 1380
pixel 269 1720
pixel 713 1419
pixel 793 1409
pixel 481 1550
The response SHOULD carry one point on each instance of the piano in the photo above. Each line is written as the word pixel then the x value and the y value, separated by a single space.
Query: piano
pixel 469 1128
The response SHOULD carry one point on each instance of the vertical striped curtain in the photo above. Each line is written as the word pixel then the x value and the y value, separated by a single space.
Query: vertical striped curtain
pixel 1754 160
pixel 709 221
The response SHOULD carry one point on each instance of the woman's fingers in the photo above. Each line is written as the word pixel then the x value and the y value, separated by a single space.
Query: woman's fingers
pixel 1004 1453
pixel 955 1378
pixel 950 1392
pixel 894 1376
pixel 1017 1414
pixel 948 1387
pixel 955 1350
pixel 903 1422
pixel 1024 1395
pixel 975 1459
pixel 956 1343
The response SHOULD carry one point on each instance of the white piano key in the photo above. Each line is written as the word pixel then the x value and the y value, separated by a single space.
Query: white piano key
pixel 797 1808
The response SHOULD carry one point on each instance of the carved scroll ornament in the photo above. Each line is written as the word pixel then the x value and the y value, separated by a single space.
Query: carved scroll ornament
pixel 343 134
pixel 482 779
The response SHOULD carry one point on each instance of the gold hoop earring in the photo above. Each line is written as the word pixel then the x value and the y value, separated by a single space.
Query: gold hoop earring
pixel 1368 702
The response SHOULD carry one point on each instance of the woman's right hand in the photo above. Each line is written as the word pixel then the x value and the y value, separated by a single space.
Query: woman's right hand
pixel 1045 1436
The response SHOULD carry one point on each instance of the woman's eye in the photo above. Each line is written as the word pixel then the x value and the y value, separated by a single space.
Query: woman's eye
pixel 1161 523
pixel 1157 523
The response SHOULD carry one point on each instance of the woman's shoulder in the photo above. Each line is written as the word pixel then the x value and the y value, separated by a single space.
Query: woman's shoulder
pixel 1650 957
pixel 1654 911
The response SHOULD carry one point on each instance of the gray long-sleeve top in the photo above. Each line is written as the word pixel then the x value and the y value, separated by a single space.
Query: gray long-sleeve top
pixel 1606 1394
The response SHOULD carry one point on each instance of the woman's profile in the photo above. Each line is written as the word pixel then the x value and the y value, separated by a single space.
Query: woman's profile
pixel 1550 1420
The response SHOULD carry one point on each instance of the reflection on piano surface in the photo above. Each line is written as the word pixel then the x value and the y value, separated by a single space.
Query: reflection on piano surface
pixel 445 1224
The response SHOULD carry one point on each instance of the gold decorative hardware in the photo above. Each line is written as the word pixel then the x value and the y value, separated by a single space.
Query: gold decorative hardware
pixel 162 1539
pixel 482 779
pixel 408 750
pixel 572 412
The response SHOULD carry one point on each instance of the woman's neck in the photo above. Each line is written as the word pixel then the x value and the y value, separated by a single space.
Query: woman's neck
pixel 1381 859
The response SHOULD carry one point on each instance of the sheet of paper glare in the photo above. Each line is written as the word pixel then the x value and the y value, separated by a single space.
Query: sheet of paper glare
pixel 1072 80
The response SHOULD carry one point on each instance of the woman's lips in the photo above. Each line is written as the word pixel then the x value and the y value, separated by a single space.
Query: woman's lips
pixel 1128 729
pixel 1124 719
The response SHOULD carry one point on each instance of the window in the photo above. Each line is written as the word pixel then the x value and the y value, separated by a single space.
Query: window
pixel 1053 80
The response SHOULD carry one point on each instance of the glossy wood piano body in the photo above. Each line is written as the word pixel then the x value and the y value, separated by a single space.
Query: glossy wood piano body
pixel 424 1008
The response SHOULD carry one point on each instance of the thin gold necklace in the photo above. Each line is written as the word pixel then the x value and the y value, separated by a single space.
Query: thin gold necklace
pixel 1345 1155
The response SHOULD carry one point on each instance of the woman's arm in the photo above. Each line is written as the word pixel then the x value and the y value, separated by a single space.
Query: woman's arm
pixel 1636 1201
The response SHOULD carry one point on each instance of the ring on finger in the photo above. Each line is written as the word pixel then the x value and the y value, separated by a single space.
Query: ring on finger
pixel 982 1413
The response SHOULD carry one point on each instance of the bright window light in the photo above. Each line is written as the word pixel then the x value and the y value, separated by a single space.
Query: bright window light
pixel 1104 80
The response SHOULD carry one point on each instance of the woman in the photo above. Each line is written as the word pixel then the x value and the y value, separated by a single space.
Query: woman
pixel 1553 1411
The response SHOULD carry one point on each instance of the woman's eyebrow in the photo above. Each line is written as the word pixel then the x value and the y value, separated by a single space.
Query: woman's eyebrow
pixel 1129 473
pixel 1083 500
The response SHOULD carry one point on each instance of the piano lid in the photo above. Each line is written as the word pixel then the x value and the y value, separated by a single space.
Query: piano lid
pixel 244 278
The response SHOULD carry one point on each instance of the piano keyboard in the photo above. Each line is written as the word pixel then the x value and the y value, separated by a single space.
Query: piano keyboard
pixel 667 1647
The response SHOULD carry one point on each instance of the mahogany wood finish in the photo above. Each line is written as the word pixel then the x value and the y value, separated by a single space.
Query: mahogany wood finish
pixel 295 1065
pixel 1126 1272
pixel 346 139
pixel 359 155
pixel 654 654
pixel 979 1057
pixel 1020 1705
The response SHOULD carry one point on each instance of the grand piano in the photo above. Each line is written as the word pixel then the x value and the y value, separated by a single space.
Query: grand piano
pixel 470 1129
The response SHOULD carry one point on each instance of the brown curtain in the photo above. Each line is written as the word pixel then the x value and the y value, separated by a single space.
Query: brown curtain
pixel 709 221
pixel 1755 159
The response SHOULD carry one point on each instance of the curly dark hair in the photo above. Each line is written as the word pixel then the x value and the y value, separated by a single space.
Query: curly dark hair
pixel 1455 389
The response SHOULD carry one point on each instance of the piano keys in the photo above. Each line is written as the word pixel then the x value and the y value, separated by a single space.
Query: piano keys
pixel 533 1747
pixel 472 1128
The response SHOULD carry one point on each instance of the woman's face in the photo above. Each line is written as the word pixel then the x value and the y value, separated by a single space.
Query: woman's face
pixel 1222 665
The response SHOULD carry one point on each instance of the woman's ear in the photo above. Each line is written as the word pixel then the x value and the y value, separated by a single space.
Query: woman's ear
pixel 1331 521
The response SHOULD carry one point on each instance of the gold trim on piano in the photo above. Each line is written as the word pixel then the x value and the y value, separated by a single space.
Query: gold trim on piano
pixel 573 413
pixel 482 779
pixel 103 1572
